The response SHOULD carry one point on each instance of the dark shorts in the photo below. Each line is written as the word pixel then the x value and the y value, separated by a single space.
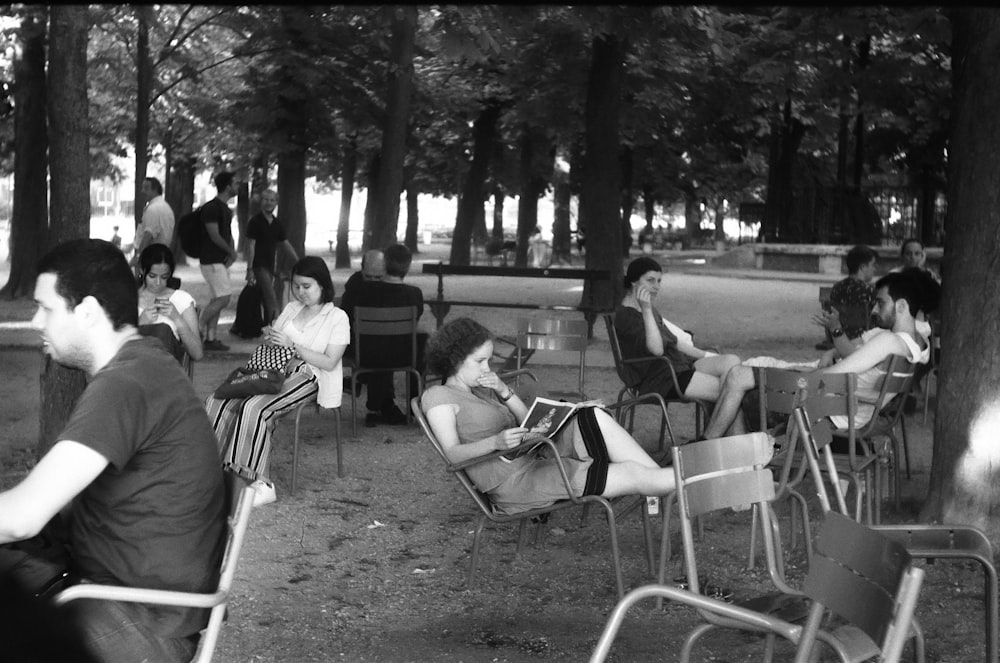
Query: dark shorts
pixel 662 384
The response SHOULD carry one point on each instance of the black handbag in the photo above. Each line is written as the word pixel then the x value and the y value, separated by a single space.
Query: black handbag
pixel 243 383
pixel 270 357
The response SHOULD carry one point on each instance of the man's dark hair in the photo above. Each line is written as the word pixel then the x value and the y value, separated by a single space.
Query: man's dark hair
pixel 314 268
pixel 223 179
pixel 94 268
pixel 858 257
pixel 916 286
pixel 397 260
pixel 155 183
pixel 448 347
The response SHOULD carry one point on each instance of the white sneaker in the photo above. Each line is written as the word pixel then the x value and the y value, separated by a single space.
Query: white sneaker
pixel 263 492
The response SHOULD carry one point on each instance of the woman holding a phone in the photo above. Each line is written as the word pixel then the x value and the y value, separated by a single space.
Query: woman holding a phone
pixel 159 303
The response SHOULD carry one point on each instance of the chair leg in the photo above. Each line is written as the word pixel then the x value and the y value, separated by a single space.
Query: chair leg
pixel 295 448
pixel 336 440
pixel 477 538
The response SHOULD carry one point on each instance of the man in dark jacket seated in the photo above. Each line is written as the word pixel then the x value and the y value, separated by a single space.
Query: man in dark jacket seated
pixel 386 350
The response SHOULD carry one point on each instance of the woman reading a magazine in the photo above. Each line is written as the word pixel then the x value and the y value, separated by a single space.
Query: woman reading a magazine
pixel 644 332
pixel 473 413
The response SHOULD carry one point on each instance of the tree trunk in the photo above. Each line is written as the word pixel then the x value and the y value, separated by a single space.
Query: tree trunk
pixel 69 167
pixel 180 195
pixel 348 170
pixel 69 129
pixel 787 134
pixel 145 17
pixel 498 200
pixel 692 216
pixel 963 481
pixel 412 217
pixel 649 205
pixel 397 113
pixel 371 205
pixel 527 201
pixel 627 200
pixel 292 202
pixel 562 194
pixel 483 132
pixel 258 182
pixel 601 189
pixel 30 212
pixel 243 216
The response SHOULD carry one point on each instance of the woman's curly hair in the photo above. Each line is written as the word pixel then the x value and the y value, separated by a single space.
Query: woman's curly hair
pixel 450 345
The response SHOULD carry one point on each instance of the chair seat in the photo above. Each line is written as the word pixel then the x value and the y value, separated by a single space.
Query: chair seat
pixel 787 607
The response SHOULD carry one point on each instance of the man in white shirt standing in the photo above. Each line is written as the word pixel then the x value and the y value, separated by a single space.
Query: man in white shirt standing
pixel 157 226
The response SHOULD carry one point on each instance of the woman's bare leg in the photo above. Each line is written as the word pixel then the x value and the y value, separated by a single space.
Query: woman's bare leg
pixel 633 479
pixel 621 446
pixel 718 365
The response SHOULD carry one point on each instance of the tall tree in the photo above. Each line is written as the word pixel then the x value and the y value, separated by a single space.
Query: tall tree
pixel 601 189
pixel 393 152
pixel 964 486
pixel 69 146
pixel 30 214
pixel 69 168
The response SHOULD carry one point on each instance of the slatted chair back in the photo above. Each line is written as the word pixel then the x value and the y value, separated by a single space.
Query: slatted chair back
pixel 385 321
pixel 866 579
pixel 724 473
pixel 555 334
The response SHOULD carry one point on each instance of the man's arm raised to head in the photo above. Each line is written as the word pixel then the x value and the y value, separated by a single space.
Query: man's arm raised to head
pixel 59 476
pixel 869 354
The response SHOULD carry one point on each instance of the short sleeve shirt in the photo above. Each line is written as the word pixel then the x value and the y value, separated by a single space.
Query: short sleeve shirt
pixel 216 211
pixel 266 235
pixel 329 327
pixel 155 516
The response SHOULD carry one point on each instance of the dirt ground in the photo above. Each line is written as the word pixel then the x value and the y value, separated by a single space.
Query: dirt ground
pixel 372 567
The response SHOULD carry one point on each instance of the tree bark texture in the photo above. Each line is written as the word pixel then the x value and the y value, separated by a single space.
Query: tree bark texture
pixel 483 133
pixel 601 189
pixel 498 199
pixel 964 486
pixel 30 213
pixel 532 188
pixel 627 200
pixel 562 194
pixel 412 217
pixel 348 171
pixel 69 167
pixel 292 202
pixel 243 216
pixel 144 15
pixel 69 128
pixel 397 112
pixel 786 136
pixel 180 195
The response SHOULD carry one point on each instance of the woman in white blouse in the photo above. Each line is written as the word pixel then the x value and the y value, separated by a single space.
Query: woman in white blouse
pixel 317 332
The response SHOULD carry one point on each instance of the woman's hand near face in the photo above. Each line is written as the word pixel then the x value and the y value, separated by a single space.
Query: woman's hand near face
pixel 642 295
pixel 492 381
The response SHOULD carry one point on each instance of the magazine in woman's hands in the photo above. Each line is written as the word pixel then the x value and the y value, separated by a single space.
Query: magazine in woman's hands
pixel 545 418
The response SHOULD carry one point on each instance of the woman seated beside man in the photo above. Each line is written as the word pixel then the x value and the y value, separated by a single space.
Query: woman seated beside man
pixel 473 413
pixel 159 304
pixel 644 332
pixel 317 332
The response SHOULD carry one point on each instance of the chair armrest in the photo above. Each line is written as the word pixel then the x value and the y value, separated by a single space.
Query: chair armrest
pixel 752 618
pixel 516 373
pixel 139 595
pixel 656 358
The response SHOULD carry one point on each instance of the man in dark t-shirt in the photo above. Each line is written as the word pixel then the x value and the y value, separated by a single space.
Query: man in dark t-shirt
pixel 266 234
pixel 136 464
pixel 386 350
pixel 218 252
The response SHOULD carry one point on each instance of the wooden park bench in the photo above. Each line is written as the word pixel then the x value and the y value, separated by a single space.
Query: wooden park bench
pixel 440 306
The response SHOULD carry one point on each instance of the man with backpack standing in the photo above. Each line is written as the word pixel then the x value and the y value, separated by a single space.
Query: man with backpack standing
pixel 217 253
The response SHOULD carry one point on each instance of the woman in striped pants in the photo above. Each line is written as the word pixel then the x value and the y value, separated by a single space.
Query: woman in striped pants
pixel 318 332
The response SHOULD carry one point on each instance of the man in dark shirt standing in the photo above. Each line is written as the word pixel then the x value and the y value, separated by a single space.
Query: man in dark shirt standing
pixel 132 491
pixel 265 232
pixel 218 252
pixel 390 351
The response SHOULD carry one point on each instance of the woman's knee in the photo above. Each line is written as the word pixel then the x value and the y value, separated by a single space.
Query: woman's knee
pixel 740 378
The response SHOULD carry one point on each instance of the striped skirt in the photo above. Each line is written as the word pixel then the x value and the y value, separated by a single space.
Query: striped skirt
pixel 243 426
